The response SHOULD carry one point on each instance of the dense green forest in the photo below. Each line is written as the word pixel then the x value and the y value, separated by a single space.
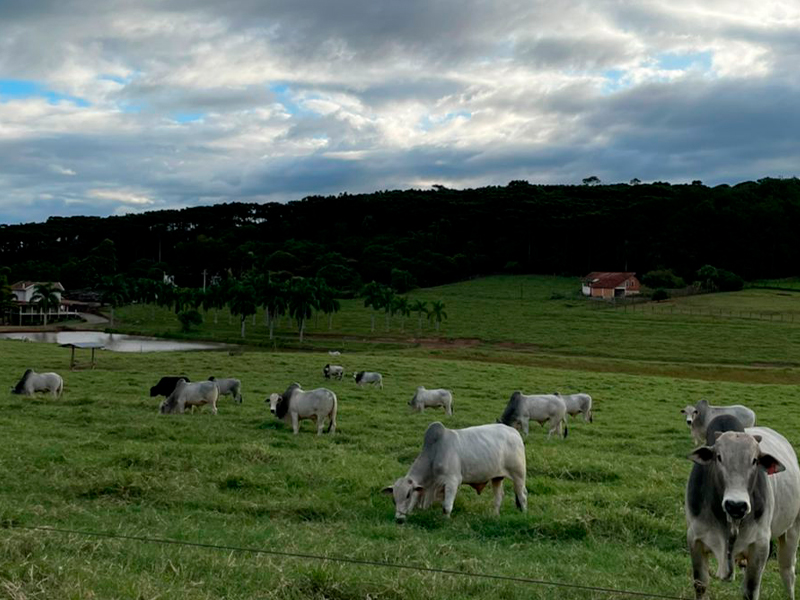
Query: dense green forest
pixel 417 237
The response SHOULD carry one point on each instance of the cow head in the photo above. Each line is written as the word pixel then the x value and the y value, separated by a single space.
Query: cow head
pixel 273 402
pixel 689 412
pixel 168 406
pixel 737 460
pixel 20 387
pixel 406 493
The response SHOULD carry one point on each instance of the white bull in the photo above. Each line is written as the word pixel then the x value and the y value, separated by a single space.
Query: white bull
pixel 431 398
pixel 473 456
pixel 744 490
pixel 699 416
pixel 33 382
pixel 336 371
pixel 191 394
pixel 578 404
pixel 295 404
pixel 229 387
pixel 542 408
pixel 364 377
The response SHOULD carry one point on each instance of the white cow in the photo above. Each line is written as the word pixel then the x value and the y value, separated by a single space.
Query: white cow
pixel 431 398
pixel 191 394
pixel 336 371
pixel 473 456
pixel 578 404
pixel 334 353
pixel 364 377
pixel 229 387
pixel 295 404
pixel 542 408
pixel 744 490
pixel 699 416
pixel 33 382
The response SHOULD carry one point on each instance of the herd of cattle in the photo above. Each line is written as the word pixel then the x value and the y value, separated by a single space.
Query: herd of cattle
pixel 743 490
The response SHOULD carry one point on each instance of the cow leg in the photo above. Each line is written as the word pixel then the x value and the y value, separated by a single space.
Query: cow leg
pixel 757 554
pixel 320 424
pixel 526 427
pixel 555 427
pixel 295 423
pixel 448 409
pixel 787 557
pixel 699 554
pixel 497 486
pixel 450 490
pixel 520 491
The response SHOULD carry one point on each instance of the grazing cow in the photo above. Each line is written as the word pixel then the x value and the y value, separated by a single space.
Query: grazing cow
pixel 336 371
pixel 578 404
pixel 33 382
pixel 334 353
pixel 698 416
pixel 229 387
pixel 165 386
pixel 364 377
pixel 744 490
pixel 427 398
pixel 540 408
pixel 295 404
pixel 191 394
pixel 450 457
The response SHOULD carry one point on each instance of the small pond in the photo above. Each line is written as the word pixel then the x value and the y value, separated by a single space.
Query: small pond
pixel 116 342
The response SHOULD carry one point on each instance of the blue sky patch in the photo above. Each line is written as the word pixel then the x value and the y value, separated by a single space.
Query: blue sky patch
pixel 671 61
pixel 12 89
pixel 189 117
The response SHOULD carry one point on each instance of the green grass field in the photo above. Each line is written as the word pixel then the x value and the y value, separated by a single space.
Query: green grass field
pixel 605 505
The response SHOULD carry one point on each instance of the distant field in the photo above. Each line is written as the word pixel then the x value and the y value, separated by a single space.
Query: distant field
pixel 548 315
pixel 605 506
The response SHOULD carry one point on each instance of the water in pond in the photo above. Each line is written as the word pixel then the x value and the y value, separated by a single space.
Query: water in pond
pixel 116 342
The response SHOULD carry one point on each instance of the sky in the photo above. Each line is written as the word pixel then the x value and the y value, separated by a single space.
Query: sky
pixel 120 106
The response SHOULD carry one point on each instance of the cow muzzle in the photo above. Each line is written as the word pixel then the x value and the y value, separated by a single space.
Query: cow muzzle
pixel 399 519
pixel 736 509
pixel 272 410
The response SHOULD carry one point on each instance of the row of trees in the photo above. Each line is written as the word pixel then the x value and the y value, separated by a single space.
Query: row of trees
pixel 299 298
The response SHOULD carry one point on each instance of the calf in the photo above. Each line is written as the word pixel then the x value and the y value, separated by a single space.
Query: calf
pixel 336 371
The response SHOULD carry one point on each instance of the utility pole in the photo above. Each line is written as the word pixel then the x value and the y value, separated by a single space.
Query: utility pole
pixel 204 279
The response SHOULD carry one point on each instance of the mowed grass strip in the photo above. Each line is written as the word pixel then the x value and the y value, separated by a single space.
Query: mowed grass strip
pixel 605 505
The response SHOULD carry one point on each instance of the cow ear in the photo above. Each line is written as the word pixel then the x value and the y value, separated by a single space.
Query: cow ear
pixel 389 491
pixel 770 464
pixel 703 455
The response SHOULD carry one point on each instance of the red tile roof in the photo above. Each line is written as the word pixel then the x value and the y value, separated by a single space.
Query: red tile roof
pixel 606 280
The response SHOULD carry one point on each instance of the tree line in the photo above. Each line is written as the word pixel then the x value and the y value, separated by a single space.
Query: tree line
pixel 414 238
pixel 298 298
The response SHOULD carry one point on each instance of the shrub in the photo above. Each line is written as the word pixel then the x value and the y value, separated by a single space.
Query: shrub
pixel 660 294
pixel 189 318
pixel 662 278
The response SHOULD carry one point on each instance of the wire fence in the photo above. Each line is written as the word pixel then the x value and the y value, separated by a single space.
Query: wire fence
pixel 346 560
pixel 655 308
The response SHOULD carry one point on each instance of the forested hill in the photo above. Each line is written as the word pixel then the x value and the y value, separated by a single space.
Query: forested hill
pixel 436 236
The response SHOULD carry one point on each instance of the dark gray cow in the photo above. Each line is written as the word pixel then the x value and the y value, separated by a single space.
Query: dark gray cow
pixel 744 490
pixel 450 457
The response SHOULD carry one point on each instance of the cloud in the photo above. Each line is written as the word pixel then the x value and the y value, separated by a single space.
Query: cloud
pixel 123 106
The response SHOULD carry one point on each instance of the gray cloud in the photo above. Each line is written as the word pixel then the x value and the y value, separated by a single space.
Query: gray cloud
pixel 179 102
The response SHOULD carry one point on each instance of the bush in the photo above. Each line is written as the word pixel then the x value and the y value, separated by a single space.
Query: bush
pixel 662 278
pixel 660 294
pixel 189 318
pixel 402 281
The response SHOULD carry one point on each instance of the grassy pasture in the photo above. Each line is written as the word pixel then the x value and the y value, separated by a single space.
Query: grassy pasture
pixel 546 315
pixel 605 505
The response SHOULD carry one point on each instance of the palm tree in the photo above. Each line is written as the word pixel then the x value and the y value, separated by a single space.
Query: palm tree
pixel 403 308
pixel 437 313
pixel 242 301
pixel 276 304
pixel 45 297
pixel 214 298
pixel 388 303
pixel 421 308
pixel 373 297
pixel 302 302
pixel 114 292
pixel 7 298
pixel 326 301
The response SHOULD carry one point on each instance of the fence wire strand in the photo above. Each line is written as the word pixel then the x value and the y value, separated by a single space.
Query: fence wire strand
pixel 346 560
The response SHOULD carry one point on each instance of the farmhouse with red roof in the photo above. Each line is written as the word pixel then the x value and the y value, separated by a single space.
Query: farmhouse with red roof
pixel 603 284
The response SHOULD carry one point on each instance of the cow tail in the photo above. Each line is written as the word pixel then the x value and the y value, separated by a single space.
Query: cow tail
pixel 60 389
pixel 332 423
